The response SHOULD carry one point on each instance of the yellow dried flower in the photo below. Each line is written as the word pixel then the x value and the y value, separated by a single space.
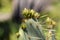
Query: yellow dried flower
pixel 36 15
pixel 17 34
pixel 48 19
pixel 25 11
pixel 32 11
pixel 25 20
pixel 53 22
pixel 23 26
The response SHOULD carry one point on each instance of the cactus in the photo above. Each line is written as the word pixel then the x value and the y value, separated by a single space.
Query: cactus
pixel 35 30
pixel 31 29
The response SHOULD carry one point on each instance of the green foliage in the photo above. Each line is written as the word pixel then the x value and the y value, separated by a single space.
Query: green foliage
pixel 1 32
pixel 5 6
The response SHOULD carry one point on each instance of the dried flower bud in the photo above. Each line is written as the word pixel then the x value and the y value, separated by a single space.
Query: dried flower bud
pixel 25 11
pixel 32 11
pixel 23 26
pixel 53 22
pixel 36 15
pixel 48 20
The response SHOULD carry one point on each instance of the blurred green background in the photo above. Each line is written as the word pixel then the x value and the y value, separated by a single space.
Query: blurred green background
pixel 5 5
pixel 54 13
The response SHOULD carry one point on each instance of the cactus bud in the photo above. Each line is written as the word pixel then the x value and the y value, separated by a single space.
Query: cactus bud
pixel 24 20
pixel 25 11
pixel 17 35
pixel 36 15
pixel 48 20
pixel 53 22
pixel 32 11
pixel 23 26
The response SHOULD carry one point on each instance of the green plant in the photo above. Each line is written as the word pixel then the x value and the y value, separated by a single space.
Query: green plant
pixel 32 28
